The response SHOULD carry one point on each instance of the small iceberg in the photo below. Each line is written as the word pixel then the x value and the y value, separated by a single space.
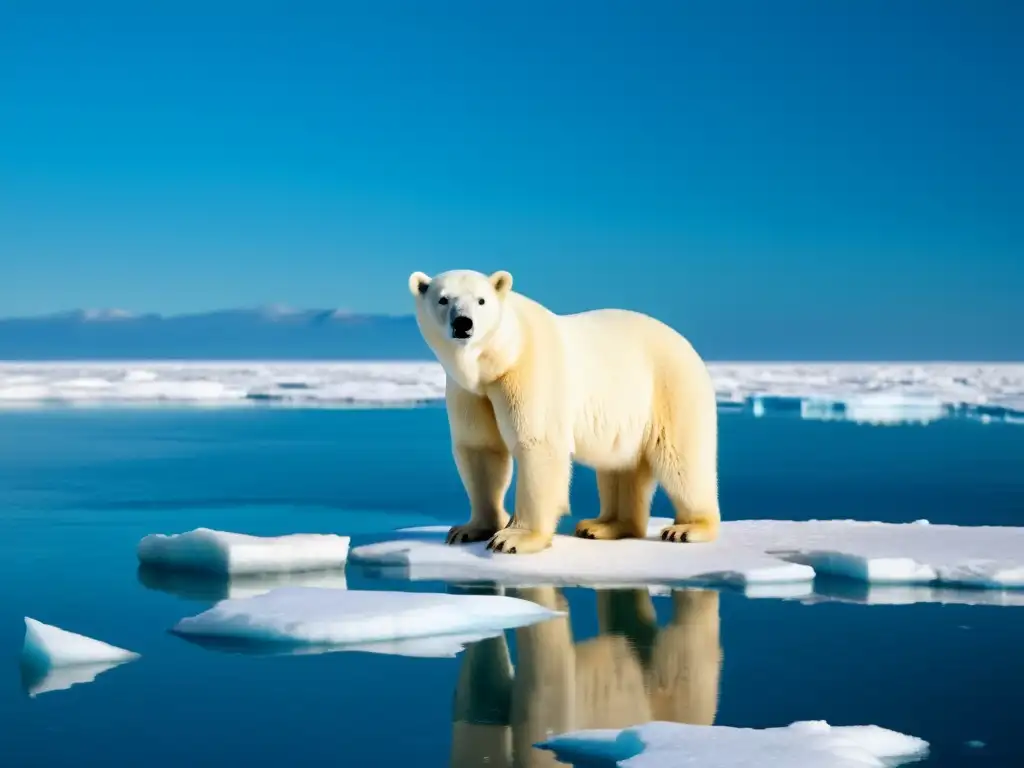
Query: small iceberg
pixel 918 553
pixel 800 745
pixel 53 659
pixel 310 617
pixel 222 552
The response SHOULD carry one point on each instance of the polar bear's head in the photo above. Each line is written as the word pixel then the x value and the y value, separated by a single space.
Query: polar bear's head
pixel 460 307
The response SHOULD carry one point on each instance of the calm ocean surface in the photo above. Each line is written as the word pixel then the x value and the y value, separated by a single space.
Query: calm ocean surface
pixel 78 489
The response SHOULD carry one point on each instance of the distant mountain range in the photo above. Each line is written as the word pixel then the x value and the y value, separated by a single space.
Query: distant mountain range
pixel 241 334
pixel 281 333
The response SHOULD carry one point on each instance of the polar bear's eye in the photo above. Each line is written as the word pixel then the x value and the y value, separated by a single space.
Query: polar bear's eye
pixel 480 302
pixel 443 300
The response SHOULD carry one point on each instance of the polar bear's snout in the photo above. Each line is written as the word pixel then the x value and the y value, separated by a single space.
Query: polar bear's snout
pixel 462 326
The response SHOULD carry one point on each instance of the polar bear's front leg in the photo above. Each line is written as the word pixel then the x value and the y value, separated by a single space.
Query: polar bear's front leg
pixel 483 461
pixel 542 497
pixel 486 475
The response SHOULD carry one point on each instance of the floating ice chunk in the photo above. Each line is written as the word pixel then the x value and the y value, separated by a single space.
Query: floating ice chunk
pixel 53 659
pixel 800 745
pixel 738 557
pixel 206 587
pixel 987 557
pixel 894 408
pixel 57 647
pixel 329 617
pixel 767 558
pixel 869 408
pixel 237 553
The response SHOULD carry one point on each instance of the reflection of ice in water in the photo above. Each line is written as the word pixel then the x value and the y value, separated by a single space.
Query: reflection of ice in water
pixel 36 681
pixel 439 647
pixel 213 588
pixel 53 659
pixel 850 591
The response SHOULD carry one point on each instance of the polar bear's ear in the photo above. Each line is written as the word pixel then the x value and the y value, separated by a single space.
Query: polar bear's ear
pixel 418 283
pixel 501 282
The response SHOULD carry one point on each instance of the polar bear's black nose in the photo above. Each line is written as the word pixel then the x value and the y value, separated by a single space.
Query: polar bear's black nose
pixel 462 327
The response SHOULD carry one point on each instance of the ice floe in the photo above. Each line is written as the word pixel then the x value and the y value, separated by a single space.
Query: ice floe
pixel 53 659
pixel 222 552
pixel 740 557
pixel 807 744
pixel 882 393
pixel 986 557
pixel 362 620
pixel 764 557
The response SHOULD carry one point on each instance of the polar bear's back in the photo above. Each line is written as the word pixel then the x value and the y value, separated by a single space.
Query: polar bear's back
pixel 608 340
pixel 624 370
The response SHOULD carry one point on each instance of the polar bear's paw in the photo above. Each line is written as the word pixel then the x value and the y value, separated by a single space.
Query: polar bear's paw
pixel 518 541
pixel 690 533
pixel 601 529
pixel 467 534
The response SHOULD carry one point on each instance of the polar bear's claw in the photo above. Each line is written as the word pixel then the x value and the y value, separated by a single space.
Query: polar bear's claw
pixel 690 533
pixel 598 529
pixel 467 534
pixel 518 541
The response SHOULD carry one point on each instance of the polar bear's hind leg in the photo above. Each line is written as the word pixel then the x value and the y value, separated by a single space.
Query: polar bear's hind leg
pixel 626 497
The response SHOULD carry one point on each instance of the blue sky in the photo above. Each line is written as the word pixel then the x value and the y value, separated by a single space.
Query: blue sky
pixel 850 167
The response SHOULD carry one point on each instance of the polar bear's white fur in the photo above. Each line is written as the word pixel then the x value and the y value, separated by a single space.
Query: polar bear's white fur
pixel 614 390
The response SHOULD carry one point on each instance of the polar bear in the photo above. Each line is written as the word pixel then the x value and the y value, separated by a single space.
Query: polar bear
pixel 611 389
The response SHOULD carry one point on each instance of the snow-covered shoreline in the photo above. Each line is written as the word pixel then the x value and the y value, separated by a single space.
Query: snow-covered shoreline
pixel 865 392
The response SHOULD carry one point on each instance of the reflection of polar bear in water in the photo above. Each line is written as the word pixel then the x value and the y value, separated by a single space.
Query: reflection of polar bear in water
pixel 633 672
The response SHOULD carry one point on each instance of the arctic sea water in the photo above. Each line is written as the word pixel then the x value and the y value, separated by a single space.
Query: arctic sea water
pixel 79 488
